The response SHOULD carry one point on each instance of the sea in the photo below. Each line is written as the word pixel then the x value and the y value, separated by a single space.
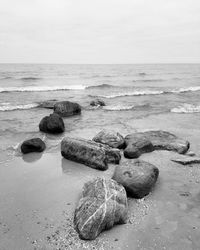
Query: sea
pixel 130 91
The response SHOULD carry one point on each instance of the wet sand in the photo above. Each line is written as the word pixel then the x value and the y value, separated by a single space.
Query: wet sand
pixel 39 193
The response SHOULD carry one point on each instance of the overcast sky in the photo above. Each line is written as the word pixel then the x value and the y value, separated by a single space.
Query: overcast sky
pixel 99 31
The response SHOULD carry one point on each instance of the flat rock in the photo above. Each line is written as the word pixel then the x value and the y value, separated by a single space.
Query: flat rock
pixel 110 138
pixel 48 104
pixel 103 204
pixel 137 177
pixel 52 124
pixel 142 142
pixel 84 151
pixel 67 108
pixel 32 145
pixel 186 160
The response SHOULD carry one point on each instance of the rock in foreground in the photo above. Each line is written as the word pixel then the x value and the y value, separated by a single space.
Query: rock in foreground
pixel 67 108
pixel 186 160
pixel 142 142
pixel 137 177
pixel 84 151
pixel 32 145
pixel 103 204
pixel 110 138
pixel 52 124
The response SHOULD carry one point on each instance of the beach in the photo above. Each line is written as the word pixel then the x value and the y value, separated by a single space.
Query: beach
pixel 40 191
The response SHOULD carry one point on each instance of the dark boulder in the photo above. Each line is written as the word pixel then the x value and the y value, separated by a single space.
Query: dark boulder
pixel 84 151
pixel 97 103
pixel 110 138
pixel 142 142
pixel 52 124
pixel 67 108
pixel 32 145
pixel 137 177
pixel 103 204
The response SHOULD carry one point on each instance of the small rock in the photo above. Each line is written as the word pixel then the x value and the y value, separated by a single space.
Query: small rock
pixel 52 124
pixel 186 160
pixel 97 102
pixel 33 145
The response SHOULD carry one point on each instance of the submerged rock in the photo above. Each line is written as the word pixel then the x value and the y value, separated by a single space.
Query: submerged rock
pixel 137 177
pixel 97 102
pixel 48 104
pixel 52 124
pixel 142 142
pixel 103 204
pixel 32 145
pixel 67 108
pixel 186 160
pixel 84 151
pixel 110 138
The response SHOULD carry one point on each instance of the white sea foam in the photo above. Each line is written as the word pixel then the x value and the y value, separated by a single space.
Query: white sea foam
pixel 134 93
pixel 10 107
pixel 41 88
pixel 186 108
pixel 118 107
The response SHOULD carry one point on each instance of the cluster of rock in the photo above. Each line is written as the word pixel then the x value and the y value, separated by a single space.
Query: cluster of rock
pixel 104 201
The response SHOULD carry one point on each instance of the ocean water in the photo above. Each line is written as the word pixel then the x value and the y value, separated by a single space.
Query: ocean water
pixel 129 91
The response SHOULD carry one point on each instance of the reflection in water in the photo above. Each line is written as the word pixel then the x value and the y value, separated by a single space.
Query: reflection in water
pixel 31 157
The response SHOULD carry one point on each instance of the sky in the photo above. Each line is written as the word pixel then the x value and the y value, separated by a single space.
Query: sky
pixel 99 31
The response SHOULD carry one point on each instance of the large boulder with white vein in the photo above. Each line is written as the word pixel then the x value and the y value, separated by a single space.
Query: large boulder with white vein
pixel 103 204
pixel 110 138
pixel 143 142
pixel 137 177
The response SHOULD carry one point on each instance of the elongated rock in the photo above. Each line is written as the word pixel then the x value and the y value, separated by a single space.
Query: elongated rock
pixel 142 142
pixel 103 204
pixel 186 160
pixel 137 177
pixel 110 138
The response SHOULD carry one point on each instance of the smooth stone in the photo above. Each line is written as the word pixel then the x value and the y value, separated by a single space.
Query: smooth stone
pixel 137 177
pixel 186 160
pixel 67 108
pixel 52 124
pixel 110 138
pixel 103 204
pixel 48 104
pixel 32 145
pixel 190 153
pixel 142 142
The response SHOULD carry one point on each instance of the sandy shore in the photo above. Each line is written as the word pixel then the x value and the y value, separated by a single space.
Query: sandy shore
pixel 39 194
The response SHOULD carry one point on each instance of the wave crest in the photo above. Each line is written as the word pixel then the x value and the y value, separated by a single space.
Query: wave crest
pixel 186 108
pixel 118 107
pixel 9 107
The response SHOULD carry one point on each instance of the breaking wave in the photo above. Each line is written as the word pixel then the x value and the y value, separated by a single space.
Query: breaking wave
pixel 118 107
pixel 9 107
pixel 186 108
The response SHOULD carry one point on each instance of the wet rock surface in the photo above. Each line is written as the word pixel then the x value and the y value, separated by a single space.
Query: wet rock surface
pixel 138 177
pixel 48 104
pixel 186 160
pixel 32 145
pixel 97 103
pixel 103 204
pixel 142 142
pixel 52 124
pixel 110 138
pixel 67 108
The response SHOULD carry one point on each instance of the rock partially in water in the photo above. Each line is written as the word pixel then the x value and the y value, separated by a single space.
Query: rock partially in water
pixel 142 142
pixel 52 124
pixel 110 138
pixel 186 160
pixel 84 151
pixel 137 177
pixel 113 154
pixel 32 145
pixel 97 103
pixel 103 204
pixel 48 104
pixel 67 108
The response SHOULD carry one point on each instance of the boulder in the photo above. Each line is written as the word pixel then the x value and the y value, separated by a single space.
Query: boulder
pixel 186 160
pixel 137 177
pixel 84 151
pixel 52 124
pixel 110 138
pixel 48 104
pixel 32 145
pixel 67 108
pixel 97 103
pixel 142 142
pixel 103 204
pixel 113 155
